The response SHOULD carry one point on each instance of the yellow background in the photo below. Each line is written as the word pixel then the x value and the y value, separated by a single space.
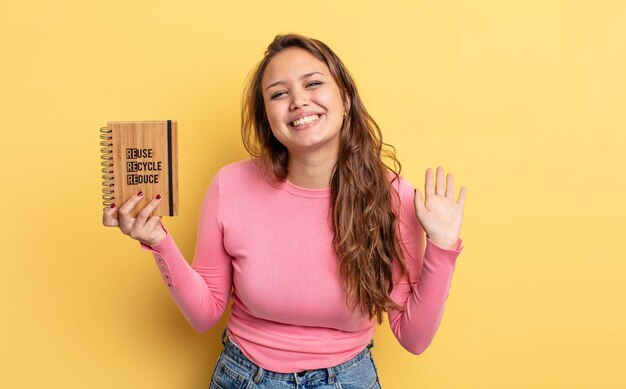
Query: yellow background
pixel 523 101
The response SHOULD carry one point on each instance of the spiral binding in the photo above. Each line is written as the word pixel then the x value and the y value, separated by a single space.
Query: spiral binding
pixel 107 167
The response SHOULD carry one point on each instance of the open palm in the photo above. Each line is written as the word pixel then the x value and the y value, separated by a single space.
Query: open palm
pixel 440 216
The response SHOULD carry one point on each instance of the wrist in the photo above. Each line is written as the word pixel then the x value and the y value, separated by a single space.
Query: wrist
pixel 155 241
pixel 444 243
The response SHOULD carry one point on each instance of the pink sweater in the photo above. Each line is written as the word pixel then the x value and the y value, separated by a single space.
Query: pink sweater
pixel 272 246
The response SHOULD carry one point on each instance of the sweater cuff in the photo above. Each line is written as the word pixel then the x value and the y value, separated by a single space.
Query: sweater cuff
pixel 168 258
pixel 434 251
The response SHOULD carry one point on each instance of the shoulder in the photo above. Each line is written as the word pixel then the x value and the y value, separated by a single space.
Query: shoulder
pixel 240 178
pixel 238 171
pixel 241 167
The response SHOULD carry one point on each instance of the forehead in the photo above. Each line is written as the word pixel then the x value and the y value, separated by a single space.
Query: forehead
pixel 292 63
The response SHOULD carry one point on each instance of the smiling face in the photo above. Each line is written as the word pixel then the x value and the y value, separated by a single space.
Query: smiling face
pixel 302 102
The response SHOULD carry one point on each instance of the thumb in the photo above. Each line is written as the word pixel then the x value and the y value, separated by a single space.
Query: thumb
pixel 419 202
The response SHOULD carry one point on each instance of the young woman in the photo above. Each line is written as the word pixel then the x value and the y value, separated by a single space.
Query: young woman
pixel 314 234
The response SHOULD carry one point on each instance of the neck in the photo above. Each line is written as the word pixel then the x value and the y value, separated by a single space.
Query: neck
pixel 311 171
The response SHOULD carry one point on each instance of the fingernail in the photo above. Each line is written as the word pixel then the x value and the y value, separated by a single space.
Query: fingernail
pixel 158 196
pixel 112 205
pixel 140 193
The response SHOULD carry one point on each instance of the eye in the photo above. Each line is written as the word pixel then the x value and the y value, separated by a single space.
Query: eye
pixel 275 95
pixel 314 83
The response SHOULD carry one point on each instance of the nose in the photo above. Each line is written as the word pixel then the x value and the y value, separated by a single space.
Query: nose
pixel 299 98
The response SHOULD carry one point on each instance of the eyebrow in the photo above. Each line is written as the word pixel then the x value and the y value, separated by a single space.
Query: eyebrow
pixel 301 77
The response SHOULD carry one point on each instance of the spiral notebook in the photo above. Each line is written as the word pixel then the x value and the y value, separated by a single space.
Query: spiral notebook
pixel 140 156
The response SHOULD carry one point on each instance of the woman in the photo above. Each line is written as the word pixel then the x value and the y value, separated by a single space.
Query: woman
pixel 315 234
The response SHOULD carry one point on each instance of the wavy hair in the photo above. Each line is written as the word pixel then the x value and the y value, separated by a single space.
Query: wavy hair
pixel 365 224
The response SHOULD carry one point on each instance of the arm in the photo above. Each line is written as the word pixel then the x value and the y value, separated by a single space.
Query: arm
pixel 201 291
pixel 425 290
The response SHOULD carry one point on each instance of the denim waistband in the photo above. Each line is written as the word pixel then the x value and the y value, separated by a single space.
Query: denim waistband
pixel 234 352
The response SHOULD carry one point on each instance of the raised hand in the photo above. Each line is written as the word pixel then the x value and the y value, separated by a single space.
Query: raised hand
pixel 143 229
pixel 440 216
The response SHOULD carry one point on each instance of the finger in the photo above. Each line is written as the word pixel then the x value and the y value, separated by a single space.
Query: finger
pixel 126 221
pixel 152 222
pixel 450 187
pixel 109 217
pixel 462 196
pixel 429 186
pixel 129 205
pixel 144 214
pixel 419 202
pixel 439 186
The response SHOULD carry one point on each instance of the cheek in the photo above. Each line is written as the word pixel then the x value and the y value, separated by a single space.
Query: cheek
pixel 331 101
pixel 272 114
pixel 277 107
pixel 275 117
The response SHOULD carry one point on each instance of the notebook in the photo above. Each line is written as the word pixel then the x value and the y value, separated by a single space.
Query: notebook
pixel 140 156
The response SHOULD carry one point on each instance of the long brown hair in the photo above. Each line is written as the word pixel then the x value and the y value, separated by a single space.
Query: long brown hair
pixel 365 224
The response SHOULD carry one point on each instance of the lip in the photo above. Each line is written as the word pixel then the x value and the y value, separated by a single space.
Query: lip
pixel 303 114
pixel 308 125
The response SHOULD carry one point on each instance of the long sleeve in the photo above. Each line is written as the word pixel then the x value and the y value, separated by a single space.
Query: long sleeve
pixel 200 290
pixel 425 291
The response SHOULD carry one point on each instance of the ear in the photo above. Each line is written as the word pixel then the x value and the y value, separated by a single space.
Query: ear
pixel 347 103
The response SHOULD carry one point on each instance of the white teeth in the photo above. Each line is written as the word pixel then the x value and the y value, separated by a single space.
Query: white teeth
pixel 305 120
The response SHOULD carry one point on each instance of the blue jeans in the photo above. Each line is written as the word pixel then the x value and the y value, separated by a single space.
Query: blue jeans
pixel 234 370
